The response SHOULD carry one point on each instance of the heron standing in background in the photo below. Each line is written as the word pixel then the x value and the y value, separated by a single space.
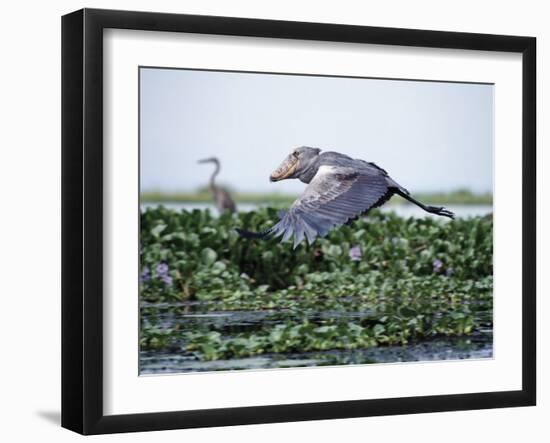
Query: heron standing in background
pixel 221 197
pixel 339 190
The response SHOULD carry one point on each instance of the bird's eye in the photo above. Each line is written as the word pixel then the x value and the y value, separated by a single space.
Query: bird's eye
pixel 295 154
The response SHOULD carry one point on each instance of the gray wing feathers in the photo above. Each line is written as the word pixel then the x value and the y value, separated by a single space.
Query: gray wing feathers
pixel 334 196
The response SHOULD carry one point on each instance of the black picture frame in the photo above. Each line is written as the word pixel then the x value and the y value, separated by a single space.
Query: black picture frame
pixel 82 218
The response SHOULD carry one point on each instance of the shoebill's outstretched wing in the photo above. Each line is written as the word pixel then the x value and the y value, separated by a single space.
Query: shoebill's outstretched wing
pixel 335 195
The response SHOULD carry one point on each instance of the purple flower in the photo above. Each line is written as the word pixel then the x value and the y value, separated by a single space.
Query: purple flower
pixel 355 253
pixel 145 274
pixel 162 274
pixel 162 269
pixel 167 280
pixel 437 265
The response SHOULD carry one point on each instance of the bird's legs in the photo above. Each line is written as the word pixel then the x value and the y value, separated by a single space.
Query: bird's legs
pixel 438 210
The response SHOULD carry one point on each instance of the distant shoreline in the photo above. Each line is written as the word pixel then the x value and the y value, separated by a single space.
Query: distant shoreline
pixel 456 197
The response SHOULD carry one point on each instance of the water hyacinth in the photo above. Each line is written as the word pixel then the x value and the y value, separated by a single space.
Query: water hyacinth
pixel 402 281
pixel 355 253
pixel 437 265
pixel 162 269
pixel 145 275
pixel 162 274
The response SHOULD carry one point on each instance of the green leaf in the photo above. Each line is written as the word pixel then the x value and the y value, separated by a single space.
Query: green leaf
pixel 219 267
pixel 208 256
pixel 157 230
pixel 378 329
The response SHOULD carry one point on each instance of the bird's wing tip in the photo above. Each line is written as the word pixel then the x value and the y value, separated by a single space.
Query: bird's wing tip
pixel 249 234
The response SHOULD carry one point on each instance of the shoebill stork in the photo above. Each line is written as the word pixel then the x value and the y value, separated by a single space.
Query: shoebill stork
pixel 221 197
pixel 339 190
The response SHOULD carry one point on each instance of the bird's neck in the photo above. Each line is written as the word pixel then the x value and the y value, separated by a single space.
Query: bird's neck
pixel 213 176
pixel 309 171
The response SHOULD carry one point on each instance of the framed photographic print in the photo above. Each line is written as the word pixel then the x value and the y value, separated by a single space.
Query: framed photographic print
pixel 268 221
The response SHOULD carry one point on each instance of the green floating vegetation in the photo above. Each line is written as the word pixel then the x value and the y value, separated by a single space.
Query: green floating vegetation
pixel 382 280
pixel 461 196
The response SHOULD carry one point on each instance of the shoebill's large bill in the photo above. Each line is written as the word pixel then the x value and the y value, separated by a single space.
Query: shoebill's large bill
pixel 339 190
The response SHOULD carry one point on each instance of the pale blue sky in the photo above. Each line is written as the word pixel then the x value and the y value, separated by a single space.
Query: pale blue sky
pixel 429 136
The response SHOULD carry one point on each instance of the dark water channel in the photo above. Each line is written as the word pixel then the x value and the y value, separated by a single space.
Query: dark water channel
pixel 193 316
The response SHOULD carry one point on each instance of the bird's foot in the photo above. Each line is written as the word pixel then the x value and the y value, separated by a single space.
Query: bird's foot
pixel 439 210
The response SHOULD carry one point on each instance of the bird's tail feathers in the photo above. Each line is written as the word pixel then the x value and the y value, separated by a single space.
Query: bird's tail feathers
pixel 393 184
